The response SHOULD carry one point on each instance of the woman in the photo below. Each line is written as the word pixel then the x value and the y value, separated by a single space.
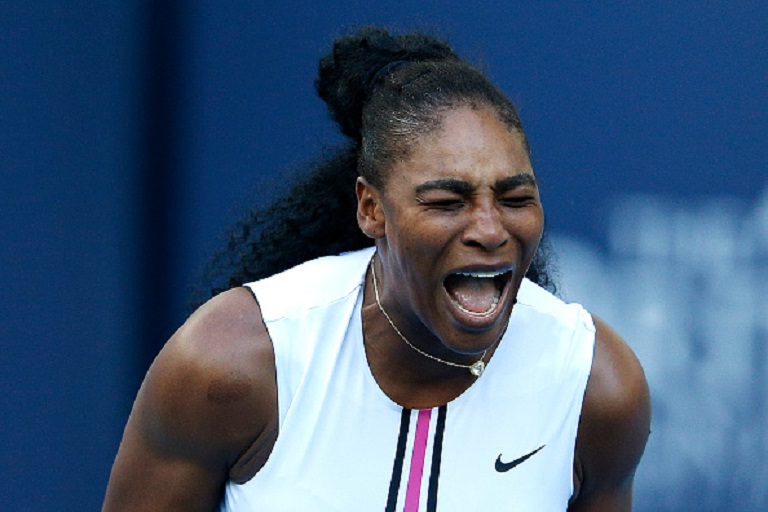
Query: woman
pixel 424 373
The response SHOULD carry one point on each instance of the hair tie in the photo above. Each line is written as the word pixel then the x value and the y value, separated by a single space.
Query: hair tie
pixel 374 78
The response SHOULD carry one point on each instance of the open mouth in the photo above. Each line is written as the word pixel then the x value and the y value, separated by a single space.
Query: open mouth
pixel 477 293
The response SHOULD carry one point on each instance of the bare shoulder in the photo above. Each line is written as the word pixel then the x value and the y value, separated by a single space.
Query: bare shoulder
pixel 614 425
pixel 209 396
pixel 218 366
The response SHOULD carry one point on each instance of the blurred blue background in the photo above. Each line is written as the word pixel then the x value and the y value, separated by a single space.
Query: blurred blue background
pixel 133 133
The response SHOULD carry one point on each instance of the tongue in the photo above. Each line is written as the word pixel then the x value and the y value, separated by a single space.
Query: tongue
pixel 472 293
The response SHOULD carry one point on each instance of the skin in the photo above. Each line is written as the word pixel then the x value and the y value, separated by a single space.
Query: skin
pixel 464 199
pixel 207 410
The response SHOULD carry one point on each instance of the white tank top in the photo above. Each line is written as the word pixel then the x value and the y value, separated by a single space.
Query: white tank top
pixel 507 443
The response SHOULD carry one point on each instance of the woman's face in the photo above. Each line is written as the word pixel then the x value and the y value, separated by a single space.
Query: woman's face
pixel 461 219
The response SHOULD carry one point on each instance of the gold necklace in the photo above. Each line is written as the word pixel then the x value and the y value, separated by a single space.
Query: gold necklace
pixel 477 368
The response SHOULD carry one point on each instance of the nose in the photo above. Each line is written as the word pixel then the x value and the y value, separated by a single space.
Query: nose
pixel 485 228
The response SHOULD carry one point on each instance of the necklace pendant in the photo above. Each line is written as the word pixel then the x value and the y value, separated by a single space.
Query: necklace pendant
pixel 477 368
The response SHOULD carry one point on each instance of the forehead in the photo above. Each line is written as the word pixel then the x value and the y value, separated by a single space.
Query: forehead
pixel 471 144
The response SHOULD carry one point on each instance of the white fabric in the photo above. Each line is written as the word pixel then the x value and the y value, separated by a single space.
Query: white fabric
pixel 339 432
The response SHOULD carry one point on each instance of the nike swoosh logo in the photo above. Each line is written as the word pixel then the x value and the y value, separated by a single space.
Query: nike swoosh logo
pixel 503 467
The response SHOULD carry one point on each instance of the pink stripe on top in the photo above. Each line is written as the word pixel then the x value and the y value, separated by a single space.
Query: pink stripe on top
pixel 417 462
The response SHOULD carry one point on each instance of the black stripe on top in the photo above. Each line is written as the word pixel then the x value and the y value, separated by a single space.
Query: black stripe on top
pixel 397 467
pixel 437 451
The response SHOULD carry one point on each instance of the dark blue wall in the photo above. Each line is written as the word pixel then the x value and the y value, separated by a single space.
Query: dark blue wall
pixel 68 196
pixel 131 134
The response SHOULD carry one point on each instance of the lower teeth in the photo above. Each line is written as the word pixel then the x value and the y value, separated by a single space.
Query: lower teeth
pixel 494 303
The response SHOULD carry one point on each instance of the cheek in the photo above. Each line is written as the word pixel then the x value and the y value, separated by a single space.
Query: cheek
pixel 537 224
pixel 419 232
pixel 528 227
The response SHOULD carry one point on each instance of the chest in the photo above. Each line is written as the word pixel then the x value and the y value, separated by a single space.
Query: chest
pixel 343 446
pixel 507 443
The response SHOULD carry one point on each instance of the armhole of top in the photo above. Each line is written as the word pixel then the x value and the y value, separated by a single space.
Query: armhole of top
pixel 253 294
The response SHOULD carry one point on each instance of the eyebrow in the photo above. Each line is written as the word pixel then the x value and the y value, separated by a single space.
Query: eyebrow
pixel 463 188
pixel 513 182
pixel 449 184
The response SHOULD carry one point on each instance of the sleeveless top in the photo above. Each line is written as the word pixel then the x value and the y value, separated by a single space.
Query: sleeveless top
pixel 506 443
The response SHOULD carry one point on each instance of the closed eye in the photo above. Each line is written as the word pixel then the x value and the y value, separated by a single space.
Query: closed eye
pixel 445 204
pixel 517 201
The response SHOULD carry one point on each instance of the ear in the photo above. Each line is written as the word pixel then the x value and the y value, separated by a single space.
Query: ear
pixel 370 214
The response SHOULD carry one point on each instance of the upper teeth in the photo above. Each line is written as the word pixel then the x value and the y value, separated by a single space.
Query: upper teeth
pixel 481 274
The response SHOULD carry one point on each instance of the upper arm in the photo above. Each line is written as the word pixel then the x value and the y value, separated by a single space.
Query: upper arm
pixel 614 426
pixel 209 395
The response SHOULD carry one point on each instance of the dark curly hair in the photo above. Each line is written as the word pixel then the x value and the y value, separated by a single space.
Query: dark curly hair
pixel 384 91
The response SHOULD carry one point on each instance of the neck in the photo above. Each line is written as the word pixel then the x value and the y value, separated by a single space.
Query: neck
pixel 408 379
pixel 404 374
